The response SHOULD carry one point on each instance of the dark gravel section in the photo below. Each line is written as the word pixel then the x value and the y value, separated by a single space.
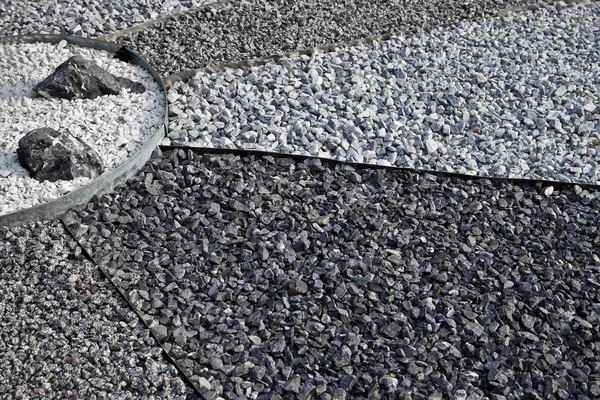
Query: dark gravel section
pixel 269 278
pixel 65 332
pixel 250 29
pixel 82 18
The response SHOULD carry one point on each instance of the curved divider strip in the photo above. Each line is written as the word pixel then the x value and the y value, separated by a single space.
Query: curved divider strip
pixel 140 27
pixel 256 62
pixel 107 276
pixel 457 175
pixel 108 180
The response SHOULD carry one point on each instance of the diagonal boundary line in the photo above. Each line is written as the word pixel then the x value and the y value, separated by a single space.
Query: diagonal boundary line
pixel 421 171
pixel 329 48
pixel 107 276
pixel 147 24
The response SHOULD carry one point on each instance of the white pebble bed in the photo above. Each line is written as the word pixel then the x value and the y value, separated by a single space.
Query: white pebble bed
pixel 514 97
pixel 114 126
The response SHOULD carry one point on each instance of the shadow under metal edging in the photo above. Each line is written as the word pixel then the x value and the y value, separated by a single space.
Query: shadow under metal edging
pixel 442 174
pixel 109 179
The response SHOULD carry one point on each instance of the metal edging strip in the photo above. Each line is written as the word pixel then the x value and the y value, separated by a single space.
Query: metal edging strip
pixel 147 24
pixel 259 61
pixel 442 174
pixel 124 296
pixel 109 179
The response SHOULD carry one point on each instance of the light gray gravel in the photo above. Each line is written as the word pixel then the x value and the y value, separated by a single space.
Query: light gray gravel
pixel 83 18
pixel 257 28
pixel 269 278
pixel 517 96
pixel 65 332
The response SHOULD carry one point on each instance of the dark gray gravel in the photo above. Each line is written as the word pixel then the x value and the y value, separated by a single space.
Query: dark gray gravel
pixel 269 278
pixel 65 332
pixel 83 18
pixel 258 28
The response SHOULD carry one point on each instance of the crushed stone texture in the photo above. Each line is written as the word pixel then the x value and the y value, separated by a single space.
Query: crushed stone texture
pixel 245 29
pixel 65 332
pixel 273 278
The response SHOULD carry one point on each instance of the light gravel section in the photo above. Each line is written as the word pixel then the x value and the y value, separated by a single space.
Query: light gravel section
pixel 114 126
pixel 249 29
pixel 65 332
pixel 512 97
pixel 89 19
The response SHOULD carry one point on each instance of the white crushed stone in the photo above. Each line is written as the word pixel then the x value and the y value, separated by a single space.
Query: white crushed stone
pixel 114 126
pixel 514 97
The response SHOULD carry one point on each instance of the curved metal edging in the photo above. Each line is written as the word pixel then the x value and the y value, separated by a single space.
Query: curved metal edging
pixel 109 179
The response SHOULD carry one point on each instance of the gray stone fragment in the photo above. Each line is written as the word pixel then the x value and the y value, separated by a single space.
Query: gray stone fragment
pixel 298 286
pixel 161 332
pixel 293 384
pixel 392 330
pixel 474 328
pixel 431 145
pixel 278 345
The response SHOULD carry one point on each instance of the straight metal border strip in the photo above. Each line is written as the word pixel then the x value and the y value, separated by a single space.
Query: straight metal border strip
pixel 140 27
pixel 256 62
pixel 124 296
pixel 109 179
pixel 442 174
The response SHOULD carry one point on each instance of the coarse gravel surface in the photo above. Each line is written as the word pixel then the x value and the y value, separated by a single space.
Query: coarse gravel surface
pixel 271 278
pixel 250 29
pixel 88 18
pixel 65 332
pixel 114 126
pixel 517 96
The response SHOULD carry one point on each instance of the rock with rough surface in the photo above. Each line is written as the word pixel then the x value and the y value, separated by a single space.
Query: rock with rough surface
pixel 50 155
pixel 78 78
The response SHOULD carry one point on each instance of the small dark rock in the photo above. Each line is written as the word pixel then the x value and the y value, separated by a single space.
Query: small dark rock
pixel 78 78
pixel 50 155
pixel 278 345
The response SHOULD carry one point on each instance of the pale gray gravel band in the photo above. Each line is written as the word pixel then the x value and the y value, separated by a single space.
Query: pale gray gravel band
pixel 108 180
pixel 251 29
pixel 328 48
pixel 463 99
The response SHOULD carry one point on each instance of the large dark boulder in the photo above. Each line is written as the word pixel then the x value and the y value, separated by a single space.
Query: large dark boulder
pixel 50 155
pixel 78 78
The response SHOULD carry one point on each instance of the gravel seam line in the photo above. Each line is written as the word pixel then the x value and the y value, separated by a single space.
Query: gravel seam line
pixel 111 37
pixel 256 62
pixel 441 174
pixel 107 276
